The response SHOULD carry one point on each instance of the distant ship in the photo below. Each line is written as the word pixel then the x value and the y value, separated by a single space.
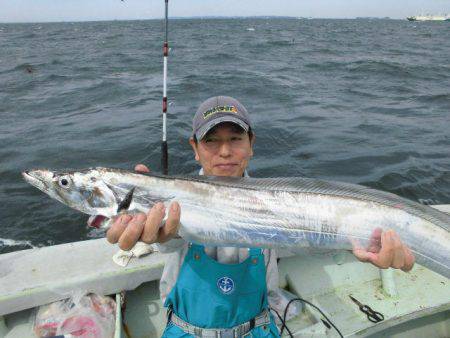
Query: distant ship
pixel 429 17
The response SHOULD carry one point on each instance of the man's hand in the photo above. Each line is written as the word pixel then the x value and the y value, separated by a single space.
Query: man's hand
pixel 128 229
pixel 141 168
pixel 386 250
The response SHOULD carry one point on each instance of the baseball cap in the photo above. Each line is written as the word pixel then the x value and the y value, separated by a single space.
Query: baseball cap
pixel 216 110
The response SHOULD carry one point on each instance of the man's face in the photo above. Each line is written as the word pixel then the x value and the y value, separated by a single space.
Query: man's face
pixel 225 151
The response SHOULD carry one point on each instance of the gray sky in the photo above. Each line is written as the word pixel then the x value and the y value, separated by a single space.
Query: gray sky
pixel 83 10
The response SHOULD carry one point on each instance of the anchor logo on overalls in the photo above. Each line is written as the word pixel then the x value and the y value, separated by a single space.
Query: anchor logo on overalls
pixel 226 285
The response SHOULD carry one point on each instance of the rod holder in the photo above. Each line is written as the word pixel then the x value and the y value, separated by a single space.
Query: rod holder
pixel 388 282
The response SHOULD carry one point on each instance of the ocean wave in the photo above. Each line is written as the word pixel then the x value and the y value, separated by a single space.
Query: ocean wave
pixel 25 67
pixel 56 62
pixel 443 98
pixel 325 66
pixel 28 36
pixel 269 44
pixel 11 242
pixel 379 66
pixel 422 185
pixel 56 77
pixel 219 57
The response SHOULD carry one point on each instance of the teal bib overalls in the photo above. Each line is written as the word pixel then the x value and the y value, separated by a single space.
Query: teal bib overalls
pixel 209 294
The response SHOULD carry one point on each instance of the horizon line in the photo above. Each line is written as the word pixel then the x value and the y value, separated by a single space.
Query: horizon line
pixel 211 17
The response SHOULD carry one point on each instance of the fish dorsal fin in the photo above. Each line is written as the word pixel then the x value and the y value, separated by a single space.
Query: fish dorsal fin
pixel 340 189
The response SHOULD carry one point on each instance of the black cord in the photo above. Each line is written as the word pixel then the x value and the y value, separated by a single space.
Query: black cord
pixel 284 324
pixel 283 320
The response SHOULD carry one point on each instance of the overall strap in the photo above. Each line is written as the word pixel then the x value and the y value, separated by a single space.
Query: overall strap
pixel 197 247
pixel 252 252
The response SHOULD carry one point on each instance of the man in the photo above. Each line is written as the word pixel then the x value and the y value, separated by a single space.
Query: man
pixel 203 293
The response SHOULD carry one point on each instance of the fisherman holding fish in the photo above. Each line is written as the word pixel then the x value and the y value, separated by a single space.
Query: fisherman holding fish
pixel 225 291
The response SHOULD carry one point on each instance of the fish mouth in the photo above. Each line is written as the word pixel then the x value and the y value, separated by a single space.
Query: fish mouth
pixel 98 221
pixel 35 178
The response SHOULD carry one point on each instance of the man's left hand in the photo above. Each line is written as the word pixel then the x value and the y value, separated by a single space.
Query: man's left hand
pixel 386 250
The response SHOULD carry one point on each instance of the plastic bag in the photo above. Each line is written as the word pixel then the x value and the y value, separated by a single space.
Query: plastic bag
pixel 48 318
pixel 82 316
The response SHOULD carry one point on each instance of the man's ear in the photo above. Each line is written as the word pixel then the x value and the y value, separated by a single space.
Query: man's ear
pixel 252 142
pixel 194 148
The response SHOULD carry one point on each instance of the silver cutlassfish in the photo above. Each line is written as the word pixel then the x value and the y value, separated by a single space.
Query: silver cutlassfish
pixel 259 212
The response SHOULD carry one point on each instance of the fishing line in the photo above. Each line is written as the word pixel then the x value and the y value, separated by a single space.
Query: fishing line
pixel 149 145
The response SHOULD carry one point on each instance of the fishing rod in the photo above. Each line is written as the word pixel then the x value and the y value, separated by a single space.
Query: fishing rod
pixel 164 150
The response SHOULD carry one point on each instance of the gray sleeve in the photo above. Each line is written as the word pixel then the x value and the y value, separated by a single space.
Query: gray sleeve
pixel 271 271
pixel 171 271
pixel 171 246
pixel 272 281
pixel 277 297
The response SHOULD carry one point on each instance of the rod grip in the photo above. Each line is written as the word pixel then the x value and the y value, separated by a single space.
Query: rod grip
pixel 164 158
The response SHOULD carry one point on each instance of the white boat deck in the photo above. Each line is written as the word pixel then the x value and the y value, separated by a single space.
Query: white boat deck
pixel 34 277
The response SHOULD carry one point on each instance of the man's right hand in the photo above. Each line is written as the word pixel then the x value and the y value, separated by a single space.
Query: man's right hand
pixel 128 229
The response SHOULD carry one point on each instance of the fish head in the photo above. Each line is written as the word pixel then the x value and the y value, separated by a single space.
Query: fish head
pixel 84 191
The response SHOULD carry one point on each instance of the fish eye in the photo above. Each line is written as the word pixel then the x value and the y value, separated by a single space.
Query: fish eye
pixel 64 182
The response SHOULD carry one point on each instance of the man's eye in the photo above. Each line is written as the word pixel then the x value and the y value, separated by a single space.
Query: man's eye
pixel 236 138
pixel 209 140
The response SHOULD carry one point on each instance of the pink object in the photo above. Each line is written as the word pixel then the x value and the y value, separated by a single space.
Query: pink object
pixel 80 326
pixel 82 316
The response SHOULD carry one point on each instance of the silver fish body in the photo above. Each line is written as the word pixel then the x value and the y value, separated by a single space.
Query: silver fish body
pixel 286 213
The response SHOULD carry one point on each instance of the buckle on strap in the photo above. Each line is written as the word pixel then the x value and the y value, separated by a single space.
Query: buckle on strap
pixel 226 333
pixel 262 319
pixel 169 315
